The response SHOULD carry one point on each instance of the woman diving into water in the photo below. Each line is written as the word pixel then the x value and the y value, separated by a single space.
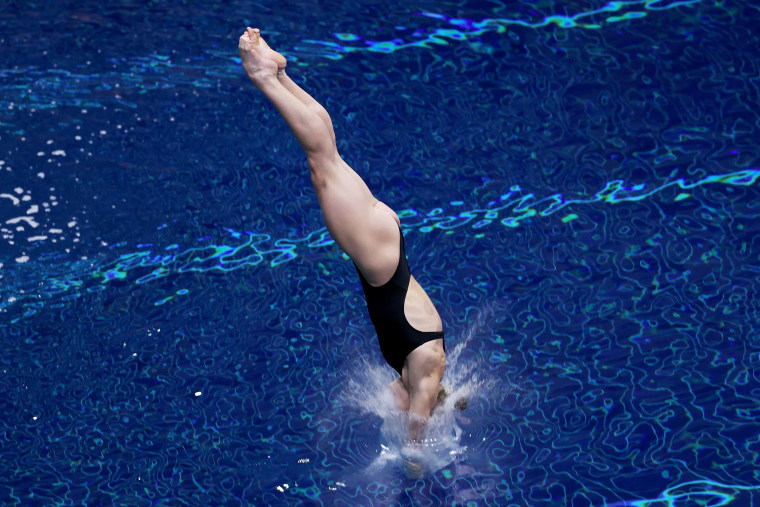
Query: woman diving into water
pixel 408 326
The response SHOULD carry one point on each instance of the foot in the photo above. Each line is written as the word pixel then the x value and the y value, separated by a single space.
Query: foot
pixel 259 60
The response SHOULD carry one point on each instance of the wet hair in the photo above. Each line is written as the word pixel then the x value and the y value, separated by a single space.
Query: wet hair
pixel 459 405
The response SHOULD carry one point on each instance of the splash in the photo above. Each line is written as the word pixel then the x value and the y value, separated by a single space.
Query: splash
pixel 367 393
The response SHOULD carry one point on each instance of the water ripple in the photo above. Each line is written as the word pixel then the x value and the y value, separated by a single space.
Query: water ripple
pixel 250 249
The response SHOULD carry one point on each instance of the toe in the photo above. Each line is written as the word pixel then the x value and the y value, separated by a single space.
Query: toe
pixel 253 34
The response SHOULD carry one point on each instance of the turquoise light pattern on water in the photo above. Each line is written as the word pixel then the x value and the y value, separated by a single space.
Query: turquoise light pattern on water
pixel 250 249
pixel 468 29
pixel 579 187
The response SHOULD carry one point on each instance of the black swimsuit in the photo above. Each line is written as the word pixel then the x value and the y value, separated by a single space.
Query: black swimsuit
pixel 386 309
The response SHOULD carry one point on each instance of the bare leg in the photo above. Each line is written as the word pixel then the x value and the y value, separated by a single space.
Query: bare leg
pixel 307 100
pixel 262 65
pixel 367 233
pixel 318 109
pixel 362 226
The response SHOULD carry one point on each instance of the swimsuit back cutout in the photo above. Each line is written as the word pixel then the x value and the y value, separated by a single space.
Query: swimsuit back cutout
pixel 386 310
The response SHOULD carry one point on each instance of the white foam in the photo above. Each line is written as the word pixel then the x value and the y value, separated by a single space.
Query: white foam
pixel 367 391
pixel 13 198
pixel 28 220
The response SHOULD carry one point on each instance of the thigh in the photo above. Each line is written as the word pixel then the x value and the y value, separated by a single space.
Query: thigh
pixel 364 228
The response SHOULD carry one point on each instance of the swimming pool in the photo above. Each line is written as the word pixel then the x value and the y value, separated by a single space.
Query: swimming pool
pixel 578 186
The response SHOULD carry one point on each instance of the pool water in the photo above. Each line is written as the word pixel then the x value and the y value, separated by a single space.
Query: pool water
pixel 579 188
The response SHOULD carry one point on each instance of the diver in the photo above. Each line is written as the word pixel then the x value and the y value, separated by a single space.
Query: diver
pixel 408 326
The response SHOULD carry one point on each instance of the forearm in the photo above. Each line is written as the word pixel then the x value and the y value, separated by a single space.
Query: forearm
pixel 419 413
pixel 309 129
pixel 423 397
pixel 412 451
pixel 416 430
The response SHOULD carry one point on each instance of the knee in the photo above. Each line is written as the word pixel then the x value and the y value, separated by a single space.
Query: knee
pixel 321 165
pixel 318 181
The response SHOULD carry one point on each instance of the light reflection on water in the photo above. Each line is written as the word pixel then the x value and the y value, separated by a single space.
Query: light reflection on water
pixel 510 210
pixel 620 344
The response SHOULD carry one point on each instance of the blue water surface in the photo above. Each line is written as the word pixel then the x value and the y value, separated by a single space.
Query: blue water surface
pixel 578 184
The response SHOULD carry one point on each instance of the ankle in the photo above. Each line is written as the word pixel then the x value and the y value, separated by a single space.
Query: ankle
pixel 261 78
